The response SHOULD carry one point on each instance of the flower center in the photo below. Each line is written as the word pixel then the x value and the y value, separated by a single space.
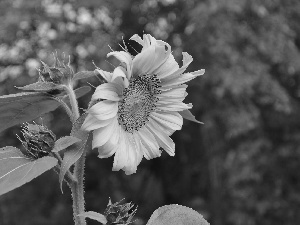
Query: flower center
pixel 138 102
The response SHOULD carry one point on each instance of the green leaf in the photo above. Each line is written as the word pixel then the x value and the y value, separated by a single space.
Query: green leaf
pixel 27 106
pixel 83 74
pixel 16 169
pixel 176 215
pixel 64 142
pixel 41 87
pixel 22 107
pixel 186 114
pixel 94 216
pixel 73 154
pixel 82 91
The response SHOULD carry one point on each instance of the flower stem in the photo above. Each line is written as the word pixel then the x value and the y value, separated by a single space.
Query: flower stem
pixel 73 102
pixel 78 191
pixel 67 108
pixel 77 188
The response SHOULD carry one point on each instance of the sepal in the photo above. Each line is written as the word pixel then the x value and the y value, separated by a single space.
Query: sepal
pixel 186 114
pixel 41 87
pixel 84 74
pixel 64 142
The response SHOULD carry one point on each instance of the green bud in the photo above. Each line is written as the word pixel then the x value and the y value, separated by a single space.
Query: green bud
pixel 38 140
pixel 119 213
pixel 60 73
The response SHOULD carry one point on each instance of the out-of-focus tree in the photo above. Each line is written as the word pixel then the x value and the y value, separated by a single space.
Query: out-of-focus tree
pixel 239 168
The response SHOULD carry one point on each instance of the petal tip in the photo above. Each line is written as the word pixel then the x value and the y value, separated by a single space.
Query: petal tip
pixel 198 72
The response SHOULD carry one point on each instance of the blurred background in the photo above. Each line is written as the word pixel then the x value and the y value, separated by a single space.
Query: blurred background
pixel 240 168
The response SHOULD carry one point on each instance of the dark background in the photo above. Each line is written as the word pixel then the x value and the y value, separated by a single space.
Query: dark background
pixel 240 168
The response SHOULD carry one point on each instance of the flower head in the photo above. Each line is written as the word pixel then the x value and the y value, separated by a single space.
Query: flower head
pixel 119 213
pixel 60 73
pixel 38 140
pixel 139 107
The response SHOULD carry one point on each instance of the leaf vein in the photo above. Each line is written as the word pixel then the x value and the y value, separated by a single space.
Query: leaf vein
pixel 14 170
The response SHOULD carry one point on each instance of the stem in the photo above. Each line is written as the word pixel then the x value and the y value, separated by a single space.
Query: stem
pixel 73 102
pixel 78 191
pixel 67 109
pixel 77 188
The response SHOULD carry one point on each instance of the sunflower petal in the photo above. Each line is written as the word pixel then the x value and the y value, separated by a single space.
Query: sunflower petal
pixel 107 91
pixel 171 120
pixel 160 126
pixel 182 79
pixel 116 136
pixel 151 147
pixel 167 68
pixel 92 123
pixel 186 114
pixel 123 57
pixel 153 54
pixel 143 61
pixel 137 39
pixel 106 75
pixel 120 83
pixel 139 147
pixel 107 150
pixel 102 135
pixel 121 154
pixel 134 157
pixel 187 59
pixel 165 105
pixel 177 92
pixel 163 139
pixel 104 110
pixel 119 72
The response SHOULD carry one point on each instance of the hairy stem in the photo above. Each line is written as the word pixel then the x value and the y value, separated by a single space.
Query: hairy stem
pixel 73 102
pixel 78 191
pixel 66 108
pixel 77 188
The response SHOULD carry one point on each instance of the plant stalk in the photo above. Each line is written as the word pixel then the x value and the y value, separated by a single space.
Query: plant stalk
pixel 73 102
pixel 77 188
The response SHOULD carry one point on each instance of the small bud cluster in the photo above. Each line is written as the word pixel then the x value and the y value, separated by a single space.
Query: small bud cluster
pixel 38 140
pixel 60 73
pixel 119 213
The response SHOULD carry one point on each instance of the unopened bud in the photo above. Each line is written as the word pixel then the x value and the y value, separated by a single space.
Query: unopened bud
pixel 60 73
pixel 38 140
pixel 119 213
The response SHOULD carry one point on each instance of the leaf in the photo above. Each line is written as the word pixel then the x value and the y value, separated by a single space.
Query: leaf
pixel 186 114
pixel 64 142
pixel 27 106
pixel 94 216
pixel 16 169
pixel 41 86
pixel 76 128
pixel 71 156
pixel 83 74
pixel 82 91
pixel 22 107
pixel 176 215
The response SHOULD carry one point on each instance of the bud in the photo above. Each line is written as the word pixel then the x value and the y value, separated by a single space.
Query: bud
pixel 60 73
pixel 119 214
pixel 38 140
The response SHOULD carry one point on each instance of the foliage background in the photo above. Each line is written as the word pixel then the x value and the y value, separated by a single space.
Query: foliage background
pixel 240 168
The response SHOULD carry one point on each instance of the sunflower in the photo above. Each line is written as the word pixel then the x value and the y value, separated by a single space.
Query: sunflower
pixel 140 106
